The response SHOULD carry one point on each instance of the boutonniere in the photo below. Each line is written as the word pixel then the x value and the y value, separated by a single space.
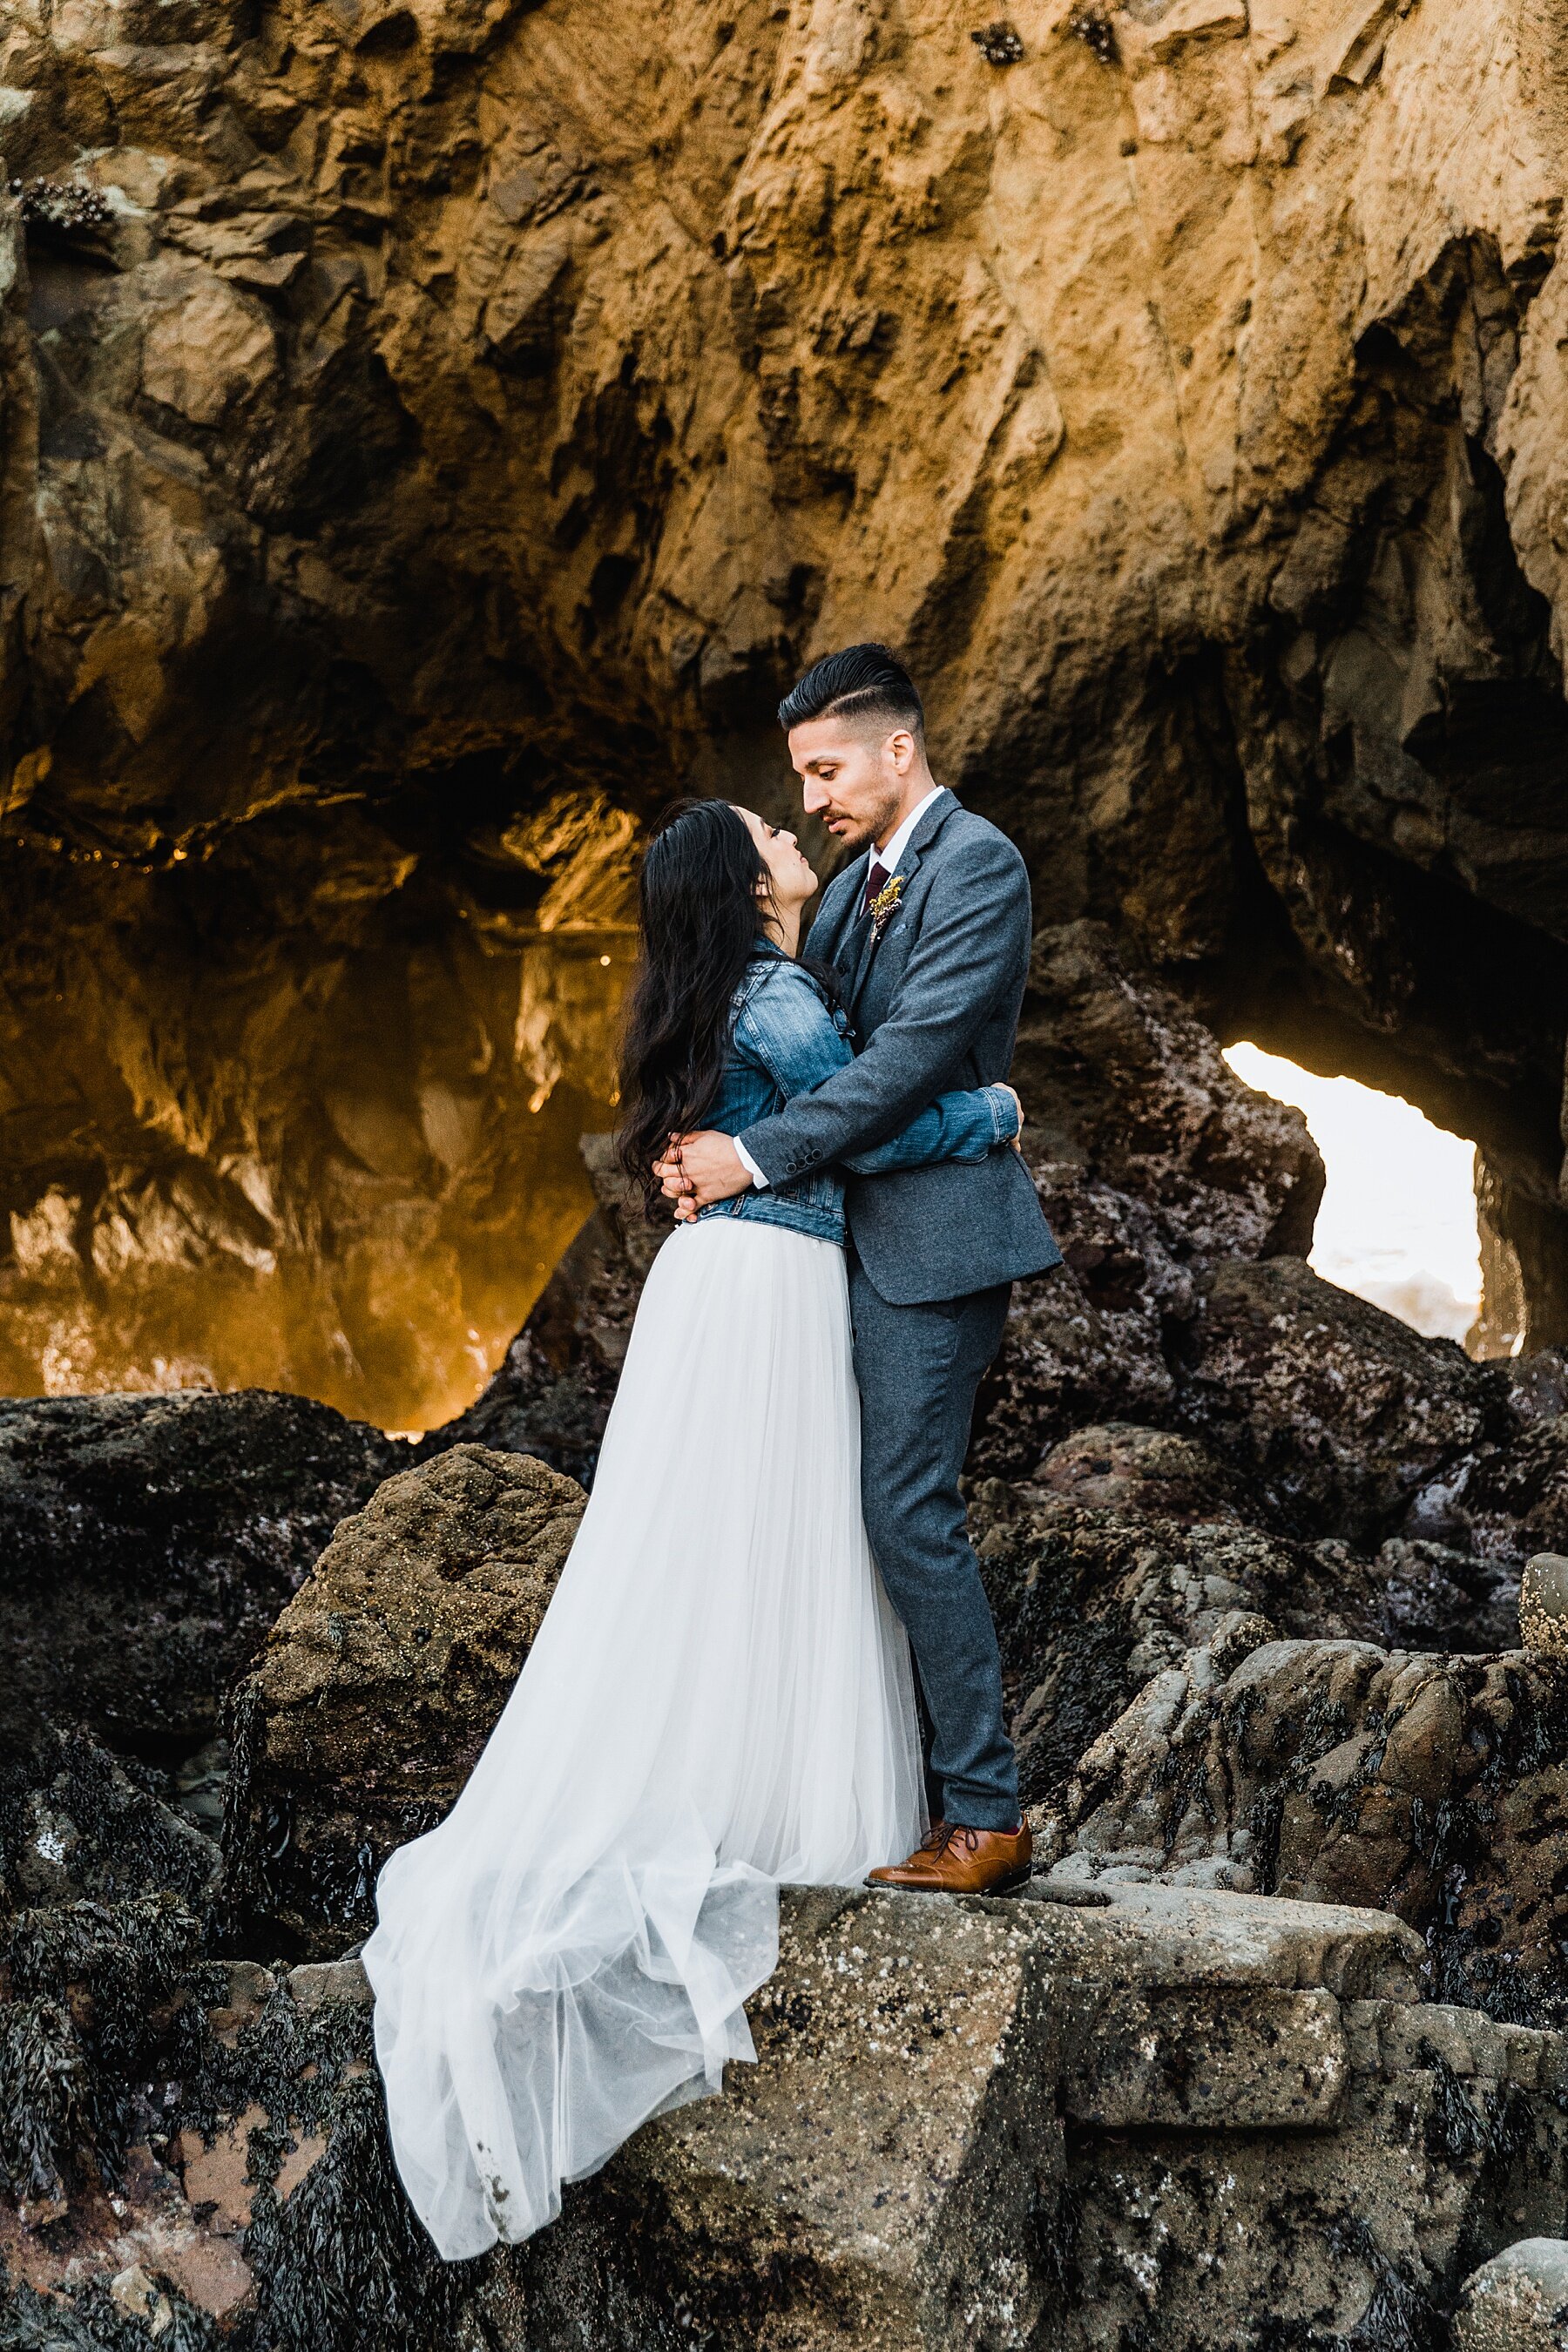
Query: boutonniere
pixel 885 905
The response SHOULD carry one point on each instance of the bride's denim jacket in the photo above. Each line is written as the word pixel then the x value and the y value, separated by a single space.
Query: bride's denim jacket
pixel 786 1040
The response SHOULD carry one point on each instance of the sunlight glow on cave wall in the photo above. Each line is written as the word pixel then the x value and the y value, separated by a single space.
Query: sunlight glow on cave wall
pixel 1398 1220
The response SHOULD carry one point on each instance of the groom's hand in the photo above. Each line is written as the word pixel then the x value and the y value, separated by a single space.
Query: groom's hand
pixel 700 1169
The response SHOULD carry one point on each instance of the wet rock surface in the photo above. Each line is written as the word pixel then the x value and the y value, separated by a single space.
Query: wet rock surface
pixel 1430 1786
pixel 147 1542
pixel 972 2123
pixel 1338 1412
pixel 1518 2302
pixel 375 1690
pixel 78 1824
pixel 248 2196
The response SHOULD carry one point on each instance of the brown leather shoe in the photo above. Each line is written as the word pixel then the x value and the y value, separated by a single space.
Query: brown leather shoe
pixel 956 1861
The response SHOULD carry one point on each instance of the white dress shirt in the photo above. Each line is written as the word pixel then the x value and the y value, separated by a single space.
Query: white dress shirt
pixel 886 857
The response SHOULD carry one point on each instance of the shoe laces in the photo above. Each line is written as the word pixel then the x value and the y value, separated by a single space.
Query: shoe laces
pixel 942 1834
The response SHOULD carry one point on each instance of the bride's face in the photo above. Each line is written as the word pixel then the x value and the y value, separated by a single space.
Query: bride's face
pixel 791 878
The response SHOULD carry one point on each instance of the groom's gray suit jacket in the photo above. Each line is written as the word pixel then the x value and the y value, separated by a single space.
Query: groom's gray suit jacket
pixel 935 1004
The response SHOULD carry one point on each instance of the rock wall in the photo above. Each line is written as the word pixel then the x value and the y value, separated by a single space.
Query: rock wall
pixel 418 455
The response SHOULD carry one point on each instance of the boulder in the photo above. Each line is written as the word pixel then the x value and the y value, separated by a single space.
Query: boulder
pixel 1433 1787
pixel 1186 2120
pixel 1518 2302
pixel 880 2177
pixel 1507 1500
pixel 373 1694
pixel 1337 1413
pixel 148 1541
pixel 1120 1465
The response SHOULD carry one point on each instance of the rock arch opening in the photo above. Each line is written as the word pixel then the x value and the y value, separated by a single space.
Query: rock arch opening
pixel 1397 1221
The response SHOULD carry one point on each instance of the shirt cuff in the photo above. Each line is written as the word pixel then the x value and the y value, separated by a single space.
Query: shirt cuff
pixel 1004 1114
pixel 747 1162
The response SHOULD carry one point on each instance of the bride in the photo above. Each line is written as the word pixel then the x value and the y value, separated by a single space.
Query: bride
pixel 720 1698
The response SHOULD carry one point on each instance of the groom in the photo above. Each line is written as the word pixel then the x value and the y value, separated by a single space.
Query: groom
pixel 930 931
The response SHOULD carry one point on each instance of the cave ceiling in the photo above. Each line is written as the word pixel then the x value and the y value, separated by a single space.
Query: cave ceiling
pixel 432 434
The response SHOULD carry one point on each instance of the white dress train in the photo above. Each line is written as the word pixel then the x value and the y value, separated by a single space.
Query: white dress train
pixel 719 1699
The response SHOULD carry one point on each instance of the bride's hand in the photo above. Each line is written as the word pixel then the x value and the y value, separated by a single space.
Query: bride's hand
pixel 675 1183
pixel 701 1169
pixel 1015 1140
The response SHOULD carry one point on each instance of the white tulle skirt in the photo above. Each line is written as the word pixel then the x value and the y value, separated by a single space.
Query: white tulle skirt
pixel 719 1699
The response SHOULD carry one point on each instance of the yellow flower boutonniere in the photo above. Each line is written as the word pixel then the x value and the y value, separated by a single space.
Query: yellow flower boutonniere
pixel 885 905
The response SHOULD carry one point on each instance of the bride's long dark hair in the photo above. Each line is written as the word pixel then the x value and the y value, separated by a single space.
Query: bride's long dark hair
pixel 702 903
pixel 705 894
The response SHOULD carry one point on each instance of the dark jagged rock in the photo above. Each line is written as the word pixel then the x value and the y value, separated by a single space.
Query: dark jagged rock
pixel 78 1824
pixel 148 1542
pixel 1120 1077
pixel 1090 1601
pixel 103 1896
pixel 1337 1413
pixel 378 1685
pixel 552 1394
pixel 1151 1159
pixel 1433 1787
pixel 1505 1500
pixel 252 2202
pixel 1129 1546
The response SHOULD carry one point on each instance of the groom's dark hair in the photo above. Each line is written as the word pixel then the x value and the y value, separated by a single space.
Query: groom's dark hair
pixel 862 682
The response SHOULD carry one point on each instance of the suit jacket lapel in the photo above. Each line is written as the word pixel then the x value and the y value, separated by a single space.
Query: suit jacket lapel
pixel 861 941
pixel 832 938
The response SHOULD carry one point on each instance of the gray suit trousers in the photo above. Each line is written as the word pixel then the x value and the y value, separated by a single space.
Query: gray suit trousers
pixel 919 1368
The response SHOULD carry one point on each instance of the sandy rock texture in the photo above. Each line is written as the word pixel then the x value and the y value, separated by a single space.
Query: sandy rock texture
pixel 419 453
pixel 375 1691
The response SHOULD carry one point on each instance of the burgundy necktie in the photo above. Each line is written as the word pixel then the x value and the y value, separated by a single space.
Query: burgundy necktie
pixel 876 882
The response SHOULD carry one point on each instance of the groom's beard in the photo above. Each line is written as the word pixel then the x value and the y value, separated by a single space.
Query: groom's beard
pixel 854 833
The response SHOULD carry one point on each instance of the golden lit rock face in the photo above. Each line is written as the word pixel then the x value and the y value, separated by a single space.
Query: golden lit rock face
pixel 469 414
pixel 302 1120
